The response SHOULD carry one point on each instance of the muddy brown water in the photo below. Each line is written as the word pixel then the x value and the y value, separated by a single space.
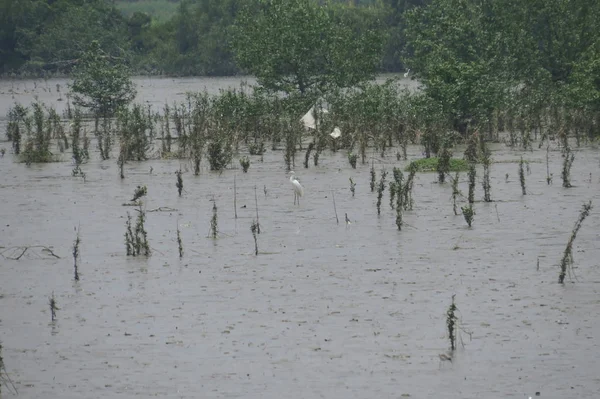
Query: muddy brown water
pixel 325 310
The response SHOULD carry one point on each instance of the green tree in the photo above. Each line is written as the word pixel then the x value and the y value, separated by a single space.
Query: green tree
pixel 67 35
pixel 101 82
pixel 299 46
pixel 460 58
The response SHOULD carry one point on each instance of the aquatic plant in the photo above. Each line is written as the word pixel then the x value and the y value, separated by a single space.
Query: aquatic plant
pixel 39 135
pixel 548 174
pixel 451 324
pixel 408 188
pixel 257 148
pixel 472 174
pixel 443 164
pixel 76 256
pixel 179 183
pixel 486 160
pixel 122 157
pixel 136 239
pixel 566 263
pixel 352 186
pixel 254 229
pixel 138 193
pixel 219 154
pixel 455 193
pixel 400 196
pixel 373 177
pixel 245 163
pixel 569 157
pixel 522 177
pixel 134 127
pixel 18 121
pixel 468 213
pixel 309 149
pixel 256 205
pixel 431 165
pixel 179 243
pixel 4 377
pixel 214 224
pixel 53 306
pixel 352 158
pixel 380 189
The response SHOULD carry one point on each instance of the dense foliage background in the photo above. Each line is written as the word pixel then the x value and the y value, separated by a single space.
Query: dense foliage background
pixel 176 37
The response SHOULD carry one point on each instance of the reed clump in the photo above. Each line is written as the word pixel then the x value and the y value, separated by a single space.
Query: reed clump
pixel 136 238
pixel 245 163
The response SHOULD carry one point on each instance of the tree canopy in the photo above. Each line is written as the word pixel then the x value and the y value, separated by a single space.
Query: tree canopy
pixel 101 83
pixel 301 45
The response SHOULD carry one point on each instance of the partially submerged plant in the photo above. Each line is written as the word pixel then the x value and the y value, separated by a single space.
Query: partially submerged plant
pixel 76 256
pixel 352 186
pixel 566 263
pixel 4 377
pixel 214 226
pixel 455 193
pixel 311 146
pixel 486 160
pixel 548 174
pixel 352 158
pixel 219 154
pixel 53 307
pixel 380 189
pixel 136 239
pixel 179 242
pixel 138 193
pixel 451 323
pixel 569 157
pixel 373 177
pixel 256 204
pixel 472 174
pixel 254 229
pixel 443 165
pixel 245 163
pixel 179 183
pixel 522 177
pixel 400 196
pixel 468 213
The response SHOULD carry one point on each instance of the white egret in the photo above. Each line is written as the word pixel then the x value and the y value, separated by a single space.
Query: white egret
pixel 406 73
pixel 298 189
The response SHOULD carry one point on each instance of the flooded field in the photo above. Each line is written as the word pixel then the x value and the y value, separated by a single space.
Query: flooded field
pixel 326 309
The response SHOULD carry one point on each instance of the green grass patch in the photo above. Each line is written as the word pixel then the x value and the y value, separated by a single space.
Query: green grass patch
pixel 430 165
pixel 160 10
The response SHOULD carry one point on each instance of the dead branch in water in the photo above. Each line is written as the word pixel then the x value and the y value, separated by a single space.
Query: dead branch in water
pixel 23 250
pixel 163 209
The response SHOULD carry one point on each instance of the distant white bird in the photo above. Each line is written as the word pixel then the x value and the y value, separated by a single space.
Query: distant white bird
pixel 406 73
pixel 298 189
